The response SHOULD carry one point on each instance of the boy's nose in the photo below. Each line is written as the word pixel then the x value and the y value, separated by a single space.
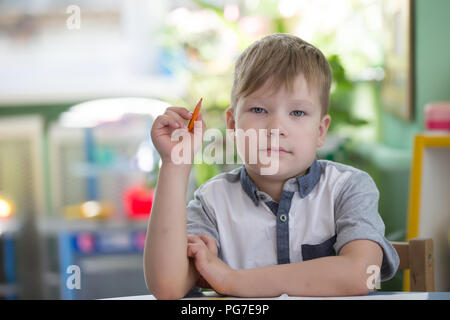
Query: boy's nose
pixel 276 124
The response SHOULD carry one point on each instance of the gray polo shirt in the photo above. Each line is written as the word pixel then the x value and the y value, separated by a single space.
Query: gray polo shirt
pixel 318 213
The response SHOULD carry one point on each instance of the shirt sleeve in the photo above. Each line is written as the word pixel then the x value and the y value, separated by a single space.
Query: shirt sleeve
pixel 357 217
pixel 201 218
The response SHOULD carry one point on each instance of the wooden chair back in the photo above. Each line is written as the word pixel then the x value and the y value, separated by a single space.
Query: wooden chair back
pixel 416 255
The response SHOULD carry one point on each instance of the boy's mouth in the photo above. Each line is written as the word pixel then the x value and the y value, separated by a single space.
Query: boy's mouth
pixel 280 150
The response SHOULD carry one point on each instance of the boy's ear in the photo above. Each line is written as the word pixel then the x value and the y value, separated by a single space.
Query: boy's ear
pixel 230 118
pixel 323 129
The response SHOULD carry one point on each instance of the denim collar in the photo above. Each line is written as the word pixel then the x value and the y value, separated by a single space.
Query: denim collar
pixel 303 184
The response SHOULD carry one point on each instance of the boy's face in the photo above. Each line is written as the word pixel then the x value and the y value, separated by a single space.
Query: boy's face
pixel 297 116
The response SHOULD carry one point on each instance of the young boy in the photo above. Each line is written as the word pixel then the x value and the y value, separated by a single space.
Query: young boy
pixel 310 229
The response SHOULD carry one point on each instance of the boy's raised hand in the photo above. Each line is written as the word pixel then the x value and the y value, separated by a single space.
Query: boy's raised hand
pixel 164 125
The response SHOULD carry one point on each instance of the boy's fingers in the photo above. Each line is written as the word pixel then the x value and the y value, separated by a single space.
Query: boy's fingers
pixel 195 240
pixel 203 240
pixel 209 241
pixel 164 121
pixel 194 248
pixel 161 121
pixel 206 238
pixel 192 237
pixel 190 252
pixel 176 117
pixel 182 112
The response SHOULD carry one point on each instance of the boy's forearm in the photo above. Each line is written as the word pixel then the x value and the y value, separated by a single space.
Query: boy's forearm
pixel 165 257
pixel 328 276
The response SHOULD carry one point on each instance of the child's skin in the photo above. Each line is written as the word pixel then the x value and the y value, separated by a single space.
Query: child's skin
pixel 182 259
pixel 174 274
pixel 302 130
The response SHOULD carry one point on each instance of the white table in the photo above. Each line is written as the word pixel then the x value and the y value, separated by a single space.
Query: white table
pixel 379 295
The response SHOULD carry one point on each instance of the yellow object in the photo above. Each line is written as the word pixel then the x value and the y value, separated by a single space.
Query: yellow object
pixel 6 208
pixel 89 210
pixel 421 141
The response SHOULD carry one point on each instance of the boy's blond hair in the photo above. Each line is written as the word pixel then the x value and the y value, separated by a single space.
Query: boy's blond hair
pixel 280 58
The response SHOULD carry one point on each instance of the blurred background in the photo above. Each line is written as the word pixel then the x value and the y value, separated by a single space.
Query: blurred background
pixel 81 82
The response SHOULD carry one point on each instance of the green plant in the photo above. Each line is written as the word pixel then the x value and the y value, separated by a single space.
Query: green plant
pixel 341 97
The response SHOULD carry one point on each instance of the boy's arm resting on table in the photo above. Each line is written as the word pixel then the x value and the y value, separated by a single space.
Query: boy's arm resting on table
pixel 168 272
pixel 344 275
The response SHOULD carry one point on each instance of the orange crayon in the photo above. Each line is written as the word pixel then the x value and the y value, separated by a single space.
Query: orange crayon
pixel 195 115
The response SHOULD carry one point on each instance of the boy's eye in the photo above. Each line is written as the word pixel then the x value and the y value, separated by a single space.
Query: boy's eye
pixel 257 109
pixel 298 113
